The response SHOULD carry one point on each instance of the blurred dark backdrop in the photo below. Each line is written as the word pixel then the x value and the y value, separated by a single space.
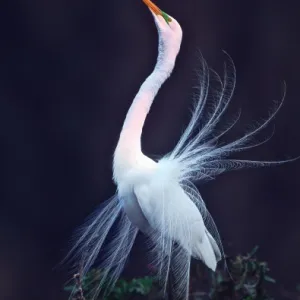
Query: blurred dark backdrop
pixel 68 73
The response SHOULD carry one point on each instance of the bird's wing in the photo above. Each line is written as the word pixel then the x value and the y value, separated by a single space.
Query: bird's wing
pixel 170 211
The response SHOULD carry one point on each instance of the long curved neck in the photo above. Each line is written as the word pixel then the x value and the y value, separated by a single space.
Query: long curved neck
pixel 130 136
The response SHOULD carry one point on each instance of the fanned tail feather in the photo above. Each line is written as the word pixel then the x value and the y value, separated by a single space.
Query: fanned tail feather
pixel 197 155
pixel 90 241
pixel 171 259
pixel 181 262
pixel 116 254
pixel 161 252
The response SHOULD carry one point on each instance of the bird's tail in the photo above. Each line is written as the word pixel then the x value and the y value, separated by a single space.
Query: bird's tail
pixel 208 251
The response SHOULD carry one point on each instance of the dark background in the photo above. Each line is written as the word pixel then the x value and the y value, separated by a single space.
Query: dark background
pixel 68 73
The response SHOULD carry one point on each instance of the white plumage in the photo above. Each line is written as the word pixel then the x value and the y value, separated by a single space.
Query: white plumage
pixel 159 198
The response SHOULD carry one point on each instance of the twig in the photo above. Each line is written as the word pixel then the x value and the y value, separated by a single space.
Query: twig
pixel 79 291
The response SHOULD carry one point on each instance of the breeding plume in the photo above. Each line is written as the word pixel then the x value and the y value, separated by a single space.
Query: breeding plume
pixel 159 198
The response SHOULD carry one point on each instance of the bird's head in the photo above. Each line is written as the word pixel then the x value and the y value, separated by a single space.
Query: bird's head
pixel 169 30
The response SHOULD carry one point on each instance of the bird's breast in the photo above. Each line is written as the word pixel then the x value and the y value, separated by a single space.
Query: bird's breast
pixel 132 166
pixel 134 212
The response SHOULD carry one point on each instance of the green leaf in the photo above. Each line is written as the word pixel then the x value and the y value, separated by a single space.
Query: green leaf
pixel 254 250
pixel 219 278
pixel 141 286
pixel 269 279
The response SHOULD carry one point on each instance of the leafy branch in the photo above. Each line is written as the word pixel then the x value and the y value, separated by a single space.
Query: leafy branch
pixel 244 278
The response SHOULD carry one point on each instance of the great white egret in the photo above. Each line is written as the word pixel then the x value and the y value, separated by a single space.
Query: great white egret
pixel 159 197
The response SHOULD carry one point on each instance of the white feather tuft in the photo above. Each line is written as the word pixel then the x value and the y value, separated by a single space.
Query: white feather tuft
pixel 197 156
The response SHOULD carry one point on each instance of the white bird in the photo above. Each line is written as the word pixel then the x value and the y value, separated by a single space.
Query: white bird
pixel 159 197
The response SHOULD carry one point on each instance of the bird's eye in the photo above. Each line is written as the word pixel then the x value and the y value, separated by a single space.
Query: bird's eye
pixel 157 10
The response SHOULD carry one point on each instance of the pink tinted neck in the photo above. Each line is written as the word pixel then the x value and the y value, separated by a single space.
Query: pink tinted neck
pixel 133 125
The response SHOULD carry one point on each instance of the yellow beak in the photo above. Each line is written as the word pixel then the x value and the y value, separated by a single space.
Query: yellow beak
pixel 156 10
